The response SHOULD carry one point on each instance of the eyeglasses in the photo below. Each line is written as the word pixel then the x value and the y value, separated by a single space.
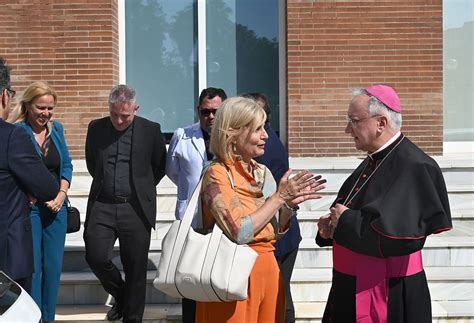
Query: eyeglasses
pixel 207 112
pixel 355 122
pixel 11 93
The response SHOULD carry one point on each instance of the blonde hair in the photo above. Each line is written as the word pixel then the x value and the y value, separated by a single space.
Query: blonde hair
pixel 234 116
pixel 34 91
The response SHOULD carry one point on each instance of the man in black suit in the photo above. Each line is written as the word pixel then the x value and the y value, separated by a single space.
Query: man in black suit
pixel 125 155
pixel 23 179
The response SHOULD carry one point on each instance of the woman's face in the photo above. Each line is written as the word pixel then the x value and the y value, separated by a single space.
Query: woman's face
pixel 252 144
pixel 41 111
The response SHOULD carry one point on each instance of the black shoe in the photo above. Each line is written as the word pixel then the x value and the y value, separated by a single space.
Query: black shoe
pixel 116 312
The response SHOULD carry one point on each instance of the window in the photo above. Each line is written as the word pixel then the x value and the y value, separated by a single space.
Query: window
pixel 175 48
pixel 458 27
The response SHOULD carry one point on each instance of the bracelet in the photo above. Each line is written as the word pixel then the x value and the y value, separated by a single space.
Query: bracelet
pixel 65 193
pixel 292 209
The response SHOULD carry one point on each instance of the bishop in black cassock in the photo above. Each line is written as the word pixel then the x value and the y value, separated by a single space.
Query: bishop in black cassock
pixel 381 217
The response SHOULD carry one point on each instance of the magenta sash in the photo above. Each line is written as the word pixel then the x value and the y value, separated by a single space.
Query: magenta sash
pixel 372 275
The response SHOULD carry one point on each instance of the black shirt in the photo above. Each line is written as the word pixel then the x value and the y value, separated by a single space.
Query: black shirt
pixel 51 158
pixel 117 181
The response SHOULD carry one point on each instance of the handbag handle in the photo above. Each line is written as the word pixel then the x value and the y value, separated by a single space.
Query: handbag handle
pixel 191 208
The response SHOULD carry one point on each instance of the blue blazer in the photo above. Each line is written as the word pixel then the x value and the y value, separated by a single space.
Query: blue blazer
pixel 57 136
pixel 21 172
pixel 276 159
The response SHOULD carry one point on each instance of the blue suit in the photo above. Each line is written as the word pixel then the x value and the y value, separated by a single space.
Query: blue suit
pixel 286 249
pixel 276 159
pixel 21 172
pixel 49 232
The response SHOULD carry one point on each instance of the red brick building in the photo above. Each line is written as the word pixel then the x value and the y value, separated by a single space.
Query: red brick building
pixel 332 46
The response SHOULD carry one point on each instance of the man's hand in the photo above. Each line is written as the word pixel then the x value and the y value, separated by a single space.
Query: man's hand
pixel 31 200
pixel 325 229
pixel 336 212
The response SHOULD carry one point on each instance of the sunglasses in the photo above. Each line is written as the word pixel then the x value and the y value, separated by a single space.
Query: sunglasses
pixel 207 112
pixel 11 93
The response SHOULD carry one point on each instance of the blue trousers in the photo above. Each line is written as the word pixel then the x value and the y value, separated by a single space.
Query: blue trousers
pixel 49 234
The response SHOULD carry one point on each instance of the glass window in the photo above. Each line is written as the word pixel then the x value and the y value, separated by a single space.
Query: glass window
pixel 161 59
pixel 161 50
pixel 458 27
pixel 242 48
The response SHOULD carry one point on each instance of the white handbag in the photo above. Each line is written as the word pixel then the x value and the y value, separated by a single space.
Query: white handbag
pixel 203 267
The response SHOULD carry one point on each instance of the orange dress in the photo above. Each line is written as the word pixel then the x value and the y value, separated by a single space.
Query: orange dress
pixel 230 207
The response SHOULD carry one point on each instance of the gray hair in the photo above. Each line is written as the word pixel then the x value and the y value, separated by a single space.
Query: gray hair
pixel 122 94
pixel 378 107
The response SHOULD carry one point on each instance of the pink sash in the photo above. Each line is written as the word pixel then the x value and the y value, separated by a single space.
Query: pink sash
pixel 372 275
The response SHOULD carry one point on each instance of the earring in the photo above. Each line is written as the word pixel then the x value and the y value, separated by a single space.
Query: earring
pixel 234 148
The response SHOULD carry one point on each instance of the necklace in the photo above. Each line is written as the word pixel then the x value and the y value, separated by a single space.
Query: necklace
pixel 349 198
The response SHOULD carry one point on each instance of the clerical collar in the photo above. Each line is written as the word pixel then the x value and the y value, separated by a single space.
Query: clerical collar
pixel 382 151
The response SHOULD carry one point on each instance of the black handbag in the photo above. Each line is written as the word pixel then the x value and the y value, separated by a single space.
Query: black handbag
pixel 73 218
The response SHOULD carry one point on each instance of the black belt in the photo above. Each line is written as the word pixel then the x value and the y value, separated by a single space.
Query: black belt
pixel 115 199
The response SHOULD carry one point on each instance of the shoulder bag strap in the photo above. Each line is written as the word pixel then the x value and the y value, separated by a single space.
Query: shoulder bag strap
pixel 193 202
pixel 191 208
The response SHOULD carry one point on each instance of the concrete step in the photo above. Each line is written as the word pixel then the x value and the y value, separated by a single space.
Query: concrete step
pixel 306 312
pixel 461 205
pixel 458 174
pixel 456 181
pixel 308 285
pixel 154 313
pixel 462 209
pixel 445 283
pixel 438 251
pixel 448 257
pixel 451 248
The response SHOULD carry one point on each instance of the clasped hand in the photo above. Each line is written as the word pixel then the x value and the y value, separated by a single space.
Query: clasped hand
pixel 56 204
pixel 301 187
pixel 328 222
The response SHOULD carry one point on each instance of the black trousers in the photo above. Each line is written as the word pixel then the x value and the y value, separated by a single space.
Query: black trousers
pixel 286 262
pixel 106 224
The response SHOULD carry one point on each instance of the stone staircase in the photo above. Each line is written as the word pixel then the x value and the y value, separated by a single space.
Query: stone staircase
pixel 448 257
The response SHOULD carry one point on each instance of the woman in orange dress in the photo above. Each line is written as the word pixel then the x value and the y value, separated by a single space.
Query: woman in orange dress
pixel 242 197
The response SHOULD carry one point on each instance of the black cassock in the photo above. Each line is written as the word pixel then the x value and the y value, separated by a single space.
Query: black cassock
pixel 396 198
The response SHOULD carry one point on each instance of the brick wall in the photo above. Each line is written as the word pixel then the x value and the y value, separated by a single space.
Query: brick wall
pixel 73 45
pixel 334 46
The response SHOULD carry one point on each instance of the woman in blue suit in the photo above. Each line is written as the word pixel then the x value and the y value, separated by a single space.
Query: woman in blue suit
pixel 48 218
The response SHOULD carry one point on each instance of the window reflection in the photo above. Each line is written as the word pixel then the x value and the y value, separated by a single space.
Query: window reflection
pixel 458 98
pixel 242 48
pixel 161 54
pixel 161 59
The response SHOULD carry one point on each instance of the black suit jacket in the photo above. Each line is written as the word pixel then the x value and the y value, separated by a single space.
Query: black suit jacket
pixel 148 160
pixel 21 172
